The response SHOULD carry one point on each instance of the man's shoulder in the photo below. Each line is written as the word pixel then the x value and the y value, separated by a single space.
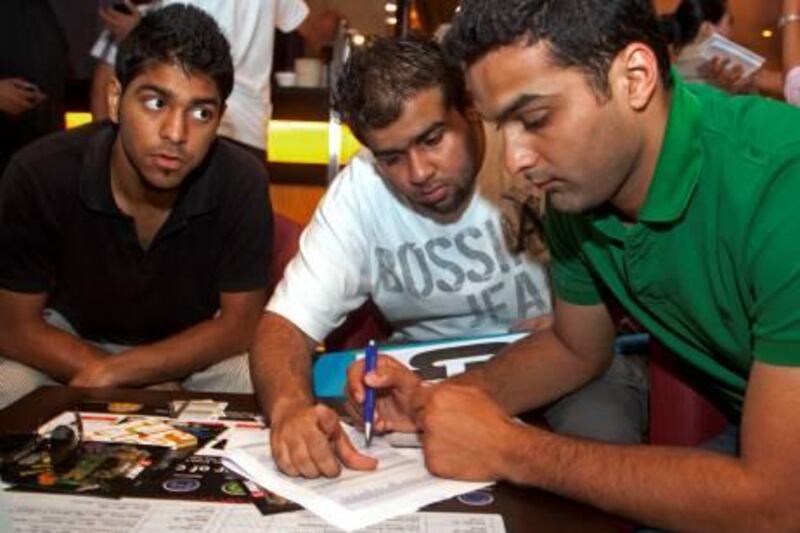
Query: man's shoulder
pixel 359 179
pixel 751 126
pixel 750 145
pixel 58 149
pixel 233 164
pixel 53 161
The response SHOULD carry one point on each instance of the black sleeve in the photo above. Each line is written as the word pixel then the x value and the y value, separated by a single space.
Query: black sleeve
pixel 247 231
pixel 26 233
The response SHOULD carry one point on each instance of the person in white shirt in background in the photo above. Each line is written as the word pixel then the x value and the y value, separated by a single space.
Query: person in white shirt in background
pixel 790 23
pixel 694 20
pixel 250 28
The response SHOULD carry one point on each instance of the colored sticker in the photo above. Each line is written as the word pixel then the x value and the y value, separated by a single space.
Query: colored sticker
pixel 234 488
pixel 477 498
pixel 181 485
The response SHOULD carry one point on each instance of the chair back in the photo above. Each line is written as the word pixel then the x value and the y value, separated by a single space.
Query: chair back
pixel 285 243
pixel 680 414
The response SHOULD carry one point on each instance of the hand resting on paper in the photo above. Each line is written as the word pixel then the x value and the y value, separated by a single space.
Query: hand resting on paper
pixel 308 441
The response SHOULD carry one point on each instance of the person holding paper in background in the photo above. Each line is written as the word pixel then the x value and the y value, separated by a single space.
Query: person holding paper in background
pixel 790 25
pixel 692 23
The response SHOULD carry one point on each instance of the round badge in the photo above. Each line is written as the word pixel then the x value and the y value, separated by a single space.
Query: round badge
pixel 477 498
pixel 234 488
pixel 181 485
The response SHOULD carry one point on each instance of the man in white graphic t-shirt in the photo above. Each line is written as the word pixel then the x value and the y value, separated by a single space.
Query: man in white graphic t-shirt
pixel 414 224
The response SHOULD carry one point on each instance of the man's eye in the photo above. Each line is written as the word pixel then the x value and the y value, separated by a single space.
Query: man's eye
pixel 202 114
pixel 535 122
pixel 155 103
pixel 434 139
pixel 389 160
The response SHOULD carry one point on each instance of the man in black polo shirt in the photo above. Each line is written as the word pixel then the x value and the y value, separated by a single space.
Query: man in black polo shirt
pixel 146 237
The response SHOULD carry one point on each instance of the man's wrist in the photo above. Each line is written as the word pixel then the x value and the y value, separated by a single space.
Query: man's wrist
pixel 285 406
pixel 517 453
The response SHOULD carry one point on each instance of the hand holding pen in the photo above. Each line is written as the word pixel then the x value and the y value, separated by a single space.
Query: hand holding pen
pixel 370 363
pixel 380 392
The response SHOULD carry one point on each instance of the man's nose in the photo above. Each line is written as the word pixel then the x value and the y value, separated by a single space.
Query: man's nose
pixel 520 153
pixel 420 167
pixel 173 128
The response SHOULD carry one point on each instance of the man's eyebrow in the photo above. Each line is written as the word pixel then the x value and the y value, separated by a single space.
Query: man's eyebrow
pixel 167 93
pixel 427 131
pixel 521 101
pixel 419 138
pixel 162 91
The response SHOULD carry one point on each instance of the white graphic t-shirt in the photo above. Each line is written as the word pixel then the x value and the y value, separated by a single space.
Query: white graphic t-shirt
pixel 430 280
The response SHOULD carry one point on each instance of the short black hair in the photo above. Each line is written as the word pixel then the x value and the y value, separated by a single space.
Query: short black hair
pixel 587 34
pixel 178 34
pixel 681 27
pixel 377 80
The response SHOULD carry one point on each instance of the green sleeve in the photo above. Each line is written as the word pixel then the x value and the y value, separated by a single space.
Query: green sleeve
pixel 773 267
pixel 572 280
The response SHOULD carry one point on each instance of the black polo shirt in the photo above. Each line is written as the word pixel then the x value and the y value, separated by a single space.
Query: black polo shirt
pixel 62 233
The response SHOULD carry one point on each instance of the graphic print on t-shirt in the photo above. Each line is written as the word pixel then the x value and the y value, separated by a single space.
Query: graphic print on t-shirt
pixel 472 264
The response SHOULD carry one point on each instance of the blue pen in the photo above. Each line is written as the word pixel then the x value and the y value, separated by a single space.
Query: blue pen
pixel 370 361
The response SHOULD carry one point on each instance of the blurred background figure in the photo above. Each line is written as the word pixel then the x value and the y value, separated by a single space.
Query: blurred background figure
pixel 250 27
pixel 33 67
pixel 693 22
pixel 790 23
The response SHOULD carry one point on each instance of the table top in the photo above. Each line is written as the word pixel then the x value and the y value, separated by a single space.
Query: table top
pixel 523 509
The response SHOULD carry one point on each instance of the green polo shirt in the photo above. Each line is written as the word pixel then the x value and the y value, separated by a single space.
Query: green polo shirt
pixel 712 265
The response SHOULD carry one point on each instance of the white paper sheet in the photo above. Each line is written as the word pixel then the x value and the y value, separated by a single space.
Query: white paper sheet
pixel 306 522
pixel 354 500
pixel 40 513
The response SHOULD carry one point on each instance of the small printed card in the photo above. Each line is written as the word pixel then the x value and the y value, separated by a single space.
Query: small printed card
pixel 147 431
pixel 718 46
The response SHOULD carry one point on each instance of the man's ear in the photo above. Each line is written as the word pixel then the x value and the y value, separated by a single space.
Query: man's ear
pixel 636 75
pixel 113 98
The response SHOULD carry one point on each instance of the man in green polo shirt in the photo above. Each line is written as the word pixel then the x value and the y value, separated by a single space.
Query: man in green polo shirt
pixel 679 202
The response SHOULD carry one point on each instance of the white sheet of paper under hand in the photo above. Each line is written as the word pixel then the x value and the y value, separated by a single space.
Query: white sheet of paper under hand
pixel 401 484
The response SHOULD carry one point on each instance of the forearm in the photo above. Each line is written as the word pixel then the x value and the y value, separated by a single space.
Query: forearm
pixel 769 83
pixel 532 372
pixel 280 364
pixel 179 355
pixel 674 488
pixel 49 349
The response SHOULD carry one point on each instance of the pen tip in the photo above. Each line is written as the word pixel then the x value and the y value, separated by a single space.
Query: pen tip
pixel 368 434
